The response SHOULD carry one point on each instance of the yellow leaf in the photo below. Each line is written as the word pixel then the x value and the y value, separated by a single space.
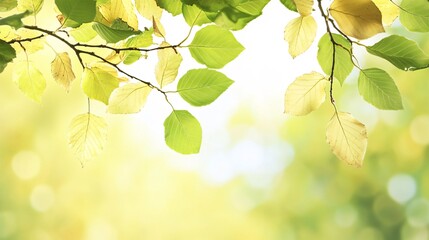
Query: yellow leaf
pixel 304 7
pixel 33 6
pixel 348 138
pixel 119 9
pixel 7 33
pixel 389 11
pixel 360 19
pixel 30 47
pixel 62 71
pixel 87 136
pixel 158 29
pixel 168 65
pixel 98 84
pixel 305 94
pixel 148 9
pixel 300 34
pixel 129 98
pixel 30 80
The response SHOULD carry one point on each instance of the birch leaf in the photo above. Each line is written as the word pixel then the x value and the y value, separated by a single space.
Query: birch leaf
pixel 304 7
pixel 129 98
pixel 389 11
pixel 119 9
pixel 305 94
pixel 360 19
pixel 34 6
pixel 148 9
pixel 168 65
pixel 183 132
pixel 348 138
pixel 62 71
pixel 87 136
pixel 98 84
pixel 300 34
pixel 30 80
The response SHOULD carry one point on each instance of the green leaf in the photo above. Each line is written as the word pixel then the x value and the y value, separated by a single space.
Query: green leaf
pixel 343 62
pixel 30 80
pixel 7 5
pixel 379 89
pixel 251 7
pixel 208 5
pixel 290 4
pixel 144 39
pixel 14 20
pixel 401 52
pixel 33 6
pixel 83 33
pixel 214 47
pixel 7 54
pixel 79 11
pixel 98 84
pixel 415 15
pixel 201 87
pixel 112 35
pixel 231 18
pixel 129 98
pixel 172 6
pixel 87 136
pixel 168 65
pixel 194 15
pixel 348 138
pixel 183 132
pixel 305 94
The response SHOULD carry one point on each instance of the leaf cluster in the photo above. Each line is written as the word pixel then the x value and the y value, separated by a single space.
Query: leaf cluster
pixel 104 35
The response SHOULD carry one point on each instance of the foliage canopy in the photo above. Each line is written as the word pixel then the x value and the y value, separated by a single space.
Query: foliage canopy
pixel 105 35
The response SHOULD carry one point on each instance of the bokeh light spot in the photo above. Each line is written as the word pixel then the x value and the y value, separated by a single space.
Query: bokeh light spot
pixel 42 198
pixel 418 213
pixel 26 164
pixel 402 188
pixel 419 129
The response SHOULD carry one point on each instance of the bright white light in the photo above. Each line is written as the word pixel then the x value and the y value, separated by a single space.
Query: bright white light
pixel 401 188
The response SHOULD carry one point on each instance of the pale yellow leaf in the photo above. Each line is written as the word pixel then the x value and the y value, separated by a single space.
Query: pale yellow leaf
pixel 62 71
pixel 98 84
pixel 119 9
pixel 148 9
pixel 389 11
pixel 360 19
pixel 83 33
pixel 30 80
pixel 87 136
pixel 305 94
pixel 304 7
pixel 348 138
pixel 129 98
pixel 158 29
pixel 7 33
pixel 300 34
pixel 33 6
pixel 30 46
pixel 168 65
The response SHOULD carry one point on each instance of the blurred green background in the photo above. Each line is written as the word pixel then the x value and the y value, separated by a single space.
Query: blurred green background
pixel 260 174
